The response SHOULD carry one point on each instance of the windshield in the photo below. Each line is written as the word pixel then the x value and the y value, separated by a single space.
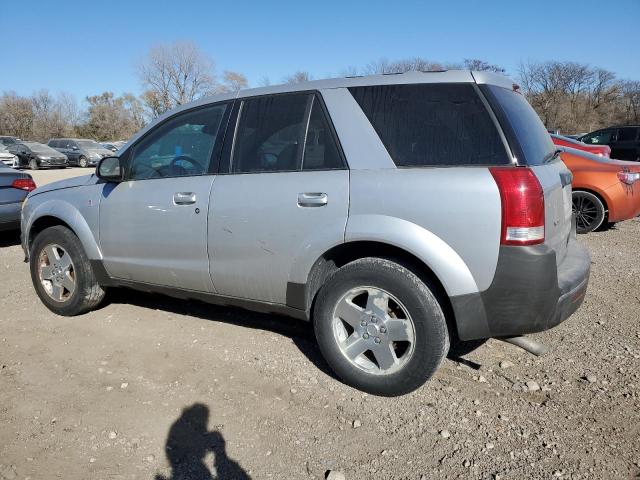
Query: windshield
pixel 89 144
pixel 40 148
pixel 525 131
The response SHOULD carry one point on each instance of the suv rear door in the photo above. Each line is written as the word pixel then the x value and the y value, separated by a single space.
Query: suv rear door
pixel 283 192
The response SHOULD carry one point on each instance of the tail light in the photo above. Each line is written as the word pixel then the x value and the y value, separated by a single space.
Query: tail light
pixel 522 205
pixel 26 184
pixel 629 177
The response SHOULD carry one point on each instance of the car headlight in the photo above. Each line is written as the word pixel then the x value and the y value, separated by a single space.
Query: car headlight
pixel 44 158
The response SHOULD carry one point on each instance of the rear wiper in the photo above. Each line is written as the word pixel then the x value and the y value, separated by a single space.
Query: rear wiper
pixel 552 156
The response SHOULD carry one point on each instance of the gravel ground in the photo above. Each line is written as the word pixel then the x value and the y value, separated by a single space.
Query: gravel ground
pixel 149 387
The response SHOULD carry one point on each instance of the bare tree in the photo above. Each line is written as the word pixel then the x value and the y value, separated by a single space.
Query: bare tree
pixel 112 118
pixel 298 77
pixel 175 74
pixel 417 64
pixel 233 81
pixel 480 66
pixel 16 115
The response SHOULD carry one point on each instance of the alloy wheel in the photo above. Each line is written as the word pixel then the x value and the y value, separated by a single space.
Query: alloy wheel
pixel 373 330
pixel 56 272
pixel 589 215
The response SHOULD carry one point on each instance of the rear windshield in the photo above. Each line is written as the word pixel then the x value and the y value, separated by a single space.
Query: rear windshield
pixel 425 125
pixel 525 131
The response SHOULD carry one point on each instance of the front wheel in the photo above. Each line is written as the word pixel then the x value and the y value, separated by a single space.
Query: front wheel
pixel 380 327
pixel 589 210
pixel 61 273
pixel 82 161
pixel 33 164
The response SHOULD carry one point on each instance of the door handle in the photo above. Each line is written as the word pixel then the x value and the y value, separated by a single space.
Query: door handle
pixel 184 198
pixel 312 199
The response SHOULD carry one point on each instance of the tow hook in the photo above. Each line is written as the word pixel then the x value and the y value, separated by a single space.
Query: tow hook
pixel 527 344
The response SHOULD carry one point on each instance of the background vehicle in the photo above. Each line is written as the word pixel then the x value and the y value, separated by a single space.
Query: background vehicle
pixel 4 140
pixel 37 155
pixel 14 187
pixel 110 146
pixel 602 150
pixel 80 152
pixel 322 209
pixel 624 141
pixel 6 157
pixel 605 191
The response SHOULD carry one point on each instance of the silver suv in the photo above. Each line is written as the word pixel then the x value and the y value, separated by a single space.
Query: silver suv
pixel 395 212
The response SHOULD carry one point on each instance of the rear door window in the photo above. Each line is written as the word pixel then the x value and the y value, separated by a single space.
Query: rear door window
pixel 424 125
pixel 270 135
pixel 601 137
pixel 320 149
pixel 627 134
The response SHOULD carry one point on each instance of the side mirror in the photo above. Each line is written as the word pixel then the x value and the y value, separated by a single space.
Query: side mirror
pixel 109 169
pixel 74 148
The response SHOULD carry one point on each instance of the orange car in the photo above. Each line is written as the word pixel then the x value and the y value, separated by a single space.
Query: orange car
pixel 605 191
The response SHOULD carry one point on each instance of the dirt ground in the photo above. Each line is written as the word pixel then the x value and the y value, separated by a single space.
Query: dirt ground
pixel 148 387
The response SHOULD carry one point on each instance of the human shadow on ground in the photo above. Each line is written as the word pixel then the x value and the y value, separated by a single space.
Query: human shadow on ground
pixel 300 332
pixel 189 442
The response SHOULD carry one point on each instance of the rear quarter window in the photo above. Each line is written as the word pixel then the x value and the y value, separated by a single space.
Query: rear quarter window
pixel 428 125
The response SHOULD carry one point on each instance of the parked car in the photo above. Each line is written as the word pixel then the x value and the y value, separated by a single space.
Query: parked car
pixel 35 155
pixel 110 146
pixel 624 141
pixel 605 191
pixel 4 140
pixel 396 212
pixel 14 187
pixel 81 152
pixel 7 157
pixel 602 150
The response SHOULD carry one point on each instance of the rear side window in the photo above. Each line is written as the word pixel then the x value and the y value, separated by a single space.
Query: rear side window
pixel 525 131
pixel 427 125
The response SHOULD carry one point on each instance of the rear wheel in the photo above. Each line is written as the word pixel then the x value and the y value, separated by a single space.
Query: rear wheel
pixel 380 327
pixel 589 210
pixel 61 273
pixel 82 161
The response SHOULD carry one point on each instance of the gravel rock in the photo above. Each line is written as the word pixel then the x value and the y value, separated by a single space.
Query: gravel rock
pixel 335 475
pixel 357 424
pixel 445 433
pixel 532 385
pixel 504 364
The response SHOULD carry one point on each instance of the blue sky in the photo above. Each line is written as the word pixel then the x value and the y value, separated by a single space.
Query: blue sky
pixel 87 47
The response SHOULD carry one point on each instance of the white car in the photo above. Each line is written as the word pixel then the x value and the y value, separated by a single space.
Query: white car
pixel 9 159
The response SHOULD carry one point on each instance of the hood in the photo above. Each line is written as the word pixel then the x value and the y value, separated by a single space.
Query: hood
pixel 67 183
pixel 6 155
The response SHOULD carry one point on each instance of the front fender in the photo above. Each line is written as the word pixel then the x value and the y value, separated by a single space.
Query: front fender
pixel 445 263
pixel 66 212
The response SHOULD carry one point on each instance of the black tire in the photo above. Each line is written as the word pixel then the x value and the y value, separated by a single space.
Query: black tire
pixel 589 210
pixel 33 164
pixel 87 293
pixel 82 162
pixel 431 340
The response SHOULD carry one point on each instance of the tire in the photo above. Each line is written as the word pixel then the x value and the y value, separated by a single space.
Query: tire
pixel 82 162
pixel 62 244
pixel 33 164
pixel 589 210
pixel 414 318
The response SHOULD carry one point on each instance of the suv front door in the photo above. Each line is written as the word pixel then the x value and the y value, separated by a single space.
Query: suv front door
pixel 283 195
pixel 153 226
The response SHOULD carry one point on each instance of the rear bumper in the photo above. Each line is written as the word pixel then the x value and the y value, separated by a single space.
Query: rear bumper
pixel 529 293
pixel 10 216
pixel 623 201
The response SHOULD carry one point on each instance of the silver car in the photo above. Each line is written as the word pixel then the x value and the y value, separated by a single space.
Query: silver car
pixel 397 213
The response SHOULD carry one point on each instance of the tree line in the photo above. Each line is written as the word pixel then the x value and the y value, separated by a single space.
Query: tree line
pixel 570 97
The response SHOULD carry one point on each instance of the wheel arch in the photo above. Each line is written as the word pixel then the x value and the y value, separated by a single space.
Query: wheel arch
pixel 304 296
pixel 54 213
pixel 598 193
